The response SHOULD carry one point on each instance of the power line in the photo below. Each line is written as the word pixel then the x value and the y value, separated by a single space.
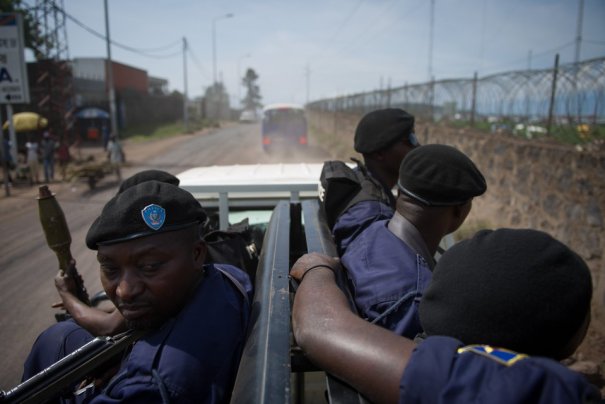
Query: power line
pixel 534 55
pixel 354 44
pixel 197 63
pixel 340 27
pixel 142 52
pixel 594 42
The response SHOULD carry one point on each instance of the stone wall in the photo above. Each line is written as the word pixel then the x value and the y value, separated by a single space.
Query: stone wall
pixel 531 184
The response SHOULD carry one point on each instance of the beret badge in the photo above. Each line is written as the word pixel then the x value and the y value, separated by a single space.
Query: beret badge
pixel 154 216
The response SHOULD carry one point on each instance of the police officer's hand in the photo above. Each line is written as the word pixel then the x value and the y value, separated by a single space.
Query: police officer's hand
pixel 64 283
pixel 313 261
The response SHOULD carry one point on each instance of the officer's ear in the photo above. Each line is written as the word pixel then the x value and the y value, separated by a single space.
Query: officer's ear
pixel 378 155
pixel 199 252
pixel 459 214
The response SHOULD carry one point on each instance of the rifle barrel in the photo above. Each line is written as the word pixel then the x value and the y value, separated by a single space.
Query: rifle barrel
pixel 72 368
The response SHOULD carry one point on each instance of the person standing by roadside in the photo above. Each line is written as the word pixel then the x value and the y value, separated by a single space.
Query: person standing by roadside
pixel 115 154
pixel 33 154
pixel 8 158
pixel 48 156
pixel 105 135
pixel 63 157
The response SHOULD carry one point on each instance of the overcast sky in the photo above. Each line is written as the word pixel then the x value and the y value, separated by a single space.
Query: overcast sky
pixel 348 46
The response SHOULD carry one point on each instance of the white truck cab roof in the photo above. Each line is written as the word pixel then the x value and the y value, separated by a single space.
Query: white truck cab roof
pixel 250 186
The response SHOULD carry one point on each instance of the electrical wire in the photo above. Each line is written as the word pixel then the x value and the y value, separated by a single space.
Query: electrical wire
pixel 141 52
pixel 590 41
pixel 357 43
pixel 543 53
pixel 340 27
pixel 197 63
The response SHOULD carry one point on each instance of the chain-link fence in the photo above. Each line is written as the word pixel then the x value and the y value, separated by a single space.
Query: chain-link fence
pixel 571 95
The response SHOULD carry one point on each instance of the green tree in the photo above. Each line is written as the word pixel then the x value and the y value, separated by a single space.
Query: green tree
pixel 34 38
pixel 252 98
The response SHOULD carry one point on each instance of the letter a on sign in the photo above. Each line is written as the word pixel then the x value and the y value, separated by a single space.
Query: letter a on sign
pixel 5 75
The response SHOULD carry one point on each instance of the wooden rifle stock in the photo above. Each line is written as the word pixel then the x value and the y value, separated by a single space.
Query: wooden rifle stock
pixel 58 237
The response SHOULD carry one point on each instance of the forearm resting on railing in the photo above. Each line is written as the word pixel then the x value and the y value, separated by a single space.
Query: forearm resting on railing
pixel 369 358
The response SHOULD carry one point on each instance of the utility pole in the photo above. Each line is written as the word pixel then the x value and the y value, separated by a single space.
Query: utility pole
pixel 579 30
pixel 577 57
pixel 307 80
pixel 214 20
pixel 527 94
pixel 185 109
pixel 474 100
pixel 112 94
pixel 431 25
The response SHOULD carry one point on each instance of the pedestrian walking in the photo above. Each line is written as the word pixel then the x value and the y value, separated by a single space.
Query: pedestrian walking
pixel 7 159
pixel 48 148
pixel 63 157
pixel 33 155
pixel 115 154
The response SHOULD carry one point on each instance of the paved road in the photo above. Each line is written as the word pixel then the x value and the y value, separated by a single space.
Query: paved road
pixel 27 266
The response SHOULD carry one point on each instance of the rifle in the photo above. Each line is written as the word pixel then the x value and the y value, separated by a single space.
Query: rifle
pixel 58 238
pixel 72 368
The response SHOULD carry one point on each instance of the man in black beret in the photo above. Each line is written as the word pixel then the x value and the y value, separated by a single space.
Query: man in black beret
pixel 383 137
pixel 152 262
pixel 105 321
pixel 389 263
pixel 502 309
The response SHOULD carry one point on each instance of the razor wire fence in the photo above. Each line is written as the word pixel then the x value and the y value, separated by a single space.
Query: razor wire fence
pixel 568 96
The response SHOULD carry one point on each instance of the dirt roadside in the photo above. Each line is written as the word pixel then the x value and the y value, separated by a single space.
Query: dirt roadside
pixel 136 151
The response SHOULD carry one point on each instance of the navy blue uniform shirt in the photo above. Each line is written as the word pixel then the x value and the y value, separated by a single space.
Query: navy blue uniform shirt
pixel 192 358
pixel 352 222
pixel 387 279
pixel 441 370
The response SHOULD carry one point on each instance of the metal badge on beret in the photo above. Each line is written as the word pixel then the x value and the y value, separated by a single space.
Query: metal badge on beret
pixel 154 216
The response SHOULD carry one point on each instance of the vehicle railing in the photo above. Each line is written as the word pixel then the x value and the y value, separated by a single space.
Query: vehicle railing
pixel 264 372
pixel 272 368
pixel 319 239
pixel 253 195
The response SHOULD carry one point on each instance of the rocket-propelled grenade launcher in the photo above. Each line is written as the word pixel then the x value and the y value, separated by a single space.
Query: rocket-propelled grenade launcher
pixel 58 237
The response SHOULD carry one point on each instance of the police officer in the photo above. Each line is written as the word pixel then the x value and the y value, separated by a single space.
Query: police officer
pixel 503 308
pixel 94 320
pixel 383 137
pixel 152 268
pixel 389 263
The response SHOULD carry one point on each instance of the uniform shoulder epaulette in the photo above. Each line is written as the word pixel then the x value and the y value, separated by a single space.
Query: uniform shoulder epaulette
pixel 500 355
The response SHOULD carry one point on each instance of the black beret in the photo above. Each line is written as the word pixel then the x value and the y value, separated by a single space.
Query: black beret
pixel 148 175
pixel 144 209
pixel 440 175
pixel 380 129
pixel 518 289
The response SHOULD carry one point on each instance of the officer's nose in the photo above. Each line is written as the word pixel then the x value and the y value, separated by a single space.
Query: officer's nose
pixel 129 286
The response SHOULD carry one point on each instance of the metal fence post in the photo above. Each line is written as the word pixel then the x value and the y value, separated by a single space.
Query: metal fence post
pixel 552 95
pixel 474 100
